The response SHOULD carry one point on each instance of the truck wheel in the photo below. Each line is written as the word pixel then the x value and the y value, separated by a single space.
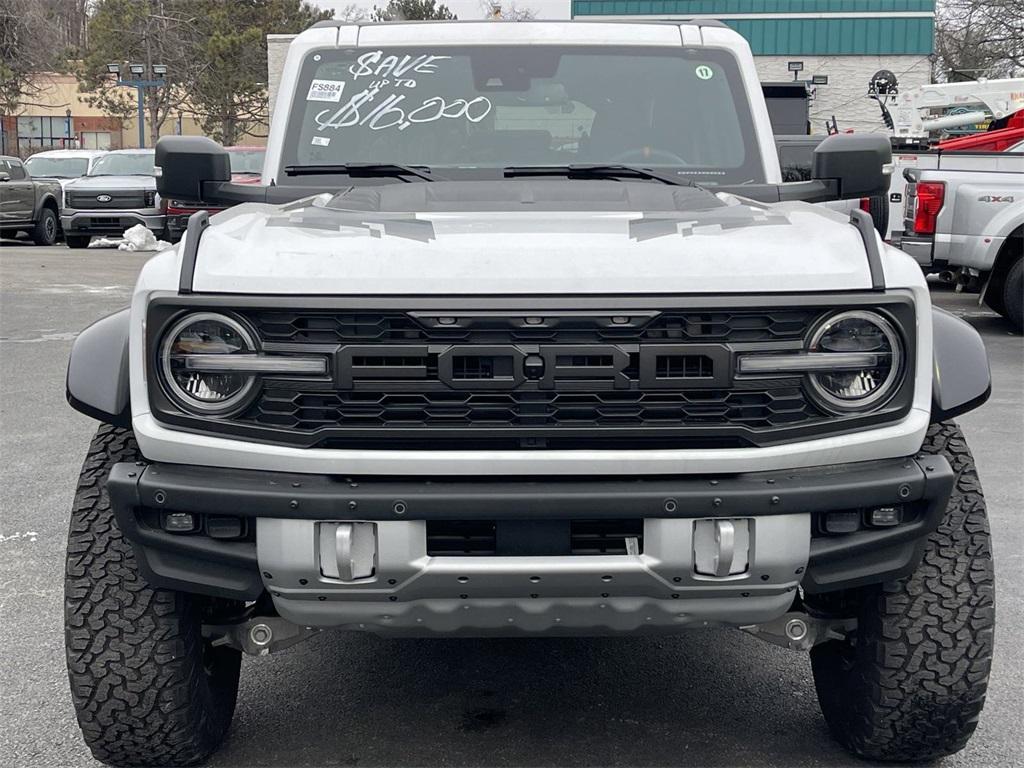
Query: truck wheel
pixel 77 241
pixel 1013 295
pixel 45 230
pixel 909 683
pixel 147 689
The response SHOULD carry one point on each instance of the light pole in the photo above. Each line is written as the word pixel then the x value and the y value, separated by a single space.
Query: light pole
pixel 67 128
pixel 139 83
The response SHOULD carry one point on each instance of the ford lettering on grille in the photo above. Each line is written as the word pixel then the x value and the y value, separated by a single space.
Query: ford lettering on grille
pixel 539 366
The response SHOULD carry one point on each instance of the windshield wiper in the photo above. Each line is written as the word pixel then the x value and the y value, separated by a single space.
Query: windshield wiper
pixel 598 171
pixel 363 169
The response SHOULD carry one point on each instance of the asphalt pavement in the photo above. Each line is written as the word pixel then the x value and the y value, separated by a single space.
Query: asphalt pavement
pixel 707 697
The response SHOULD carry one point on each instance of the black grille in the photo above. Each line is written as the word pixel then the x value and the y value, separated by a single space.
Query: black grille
pixel 606 537
pixel 460 377
pixel 569 328
pixel 118 200
pixel 454 538
pixel 781 403
pixel 469 538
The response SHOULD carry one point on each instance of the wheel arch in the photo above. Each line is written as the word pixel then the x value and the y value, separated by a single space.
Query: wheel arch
pixel 97 380
pixel 961 378
pixel 1011 250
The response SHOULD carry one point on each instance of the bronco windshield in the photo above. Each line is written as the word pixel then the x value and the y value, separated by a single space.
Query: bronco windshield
pixel 498 106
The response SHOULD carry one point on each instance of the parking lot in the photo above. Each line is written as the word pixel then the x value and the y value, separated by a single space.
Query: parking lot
pixel 713 697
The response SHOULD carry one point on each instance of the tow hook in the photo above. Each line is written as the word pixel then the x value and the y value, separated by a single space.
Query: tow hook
pixel 258 636
pixel 801 631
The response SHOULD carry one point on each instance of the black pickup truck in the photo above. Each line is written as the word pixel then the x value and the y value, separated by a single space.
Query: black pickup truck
pixel 27 204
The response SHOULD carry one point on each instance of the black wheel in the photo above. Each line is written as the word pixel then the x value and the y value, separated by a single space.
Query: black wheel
pixel 1013 295
pixel 147 689
pixel 46 229
pixel 77 241
pixel 909 683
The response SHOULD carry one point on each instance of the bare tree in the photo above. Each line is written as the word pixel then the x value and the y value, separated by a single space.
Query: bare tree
pixel 979 38
pixel 29 50
pixel 143 32
pixel 508 11
pixel 352 12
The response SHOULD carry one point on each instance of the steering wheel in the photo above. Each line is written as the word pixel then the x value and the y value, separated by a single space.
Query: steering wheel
pixel 647 154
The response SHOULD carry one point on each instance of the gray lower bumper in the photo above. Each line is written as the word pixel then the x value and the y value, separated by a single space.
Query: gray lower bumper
pixel 372 570
pixel 109 222
pixel 410 592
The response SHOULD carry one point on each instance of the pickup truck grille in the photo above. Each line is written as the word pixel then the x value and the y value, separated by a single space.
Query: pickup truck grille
pixel 449 377
pixel 118 200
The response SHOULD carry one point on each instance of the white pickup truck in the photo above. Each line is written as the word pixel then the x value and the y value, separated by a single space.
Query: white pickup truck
pixel 964 214
pixel 523 333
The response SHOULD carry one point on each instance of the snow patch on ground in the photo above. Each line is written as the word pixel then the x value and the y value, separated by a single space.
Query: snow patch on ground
pixel 137 238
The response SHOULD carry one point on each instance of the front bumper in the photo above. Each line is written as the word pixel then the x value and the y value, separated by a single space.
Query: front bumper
pixel 110 222
pixel 412 592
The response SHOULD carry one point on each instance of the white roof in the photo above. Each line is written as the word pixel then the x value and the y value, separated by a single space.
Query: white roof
pixel 69 153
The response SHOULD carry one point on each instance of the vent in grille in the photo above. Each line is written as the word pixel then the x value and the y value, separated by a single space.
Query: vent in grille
pixel 782 403
pixel 396 327
pixel 459 538
pixel 467 538
pixel 606 537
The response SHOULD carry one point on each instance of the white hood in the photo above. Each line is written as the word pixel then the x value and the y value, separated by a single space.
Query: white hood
pixel 724 245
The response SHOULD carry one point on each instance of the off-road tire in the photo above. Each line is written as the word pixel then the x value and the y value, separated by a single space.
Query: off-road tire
pixel 1013 295
pixel 77 241
pixel 147 689
pixel 909 684
pixel 47 228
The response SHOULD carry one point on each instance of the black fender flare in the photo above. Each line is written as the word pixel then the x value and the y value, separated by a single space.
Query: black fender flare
pixel 41 201
pixel 961 379
pixel 97 383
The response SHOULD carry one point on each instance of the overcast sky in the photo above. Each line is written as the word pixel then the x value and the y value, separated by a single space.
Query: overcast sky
pixel 468 9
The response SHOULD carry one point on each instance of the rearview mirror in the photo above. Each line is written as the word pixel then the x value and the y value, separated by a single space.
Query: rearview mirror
pixel 5 176
pixel 184 164
pixel 859 164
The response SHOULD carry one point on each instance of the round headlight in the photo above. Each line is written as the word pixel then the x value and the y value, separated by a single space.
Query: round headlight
pixel 861 386
pixel 188 364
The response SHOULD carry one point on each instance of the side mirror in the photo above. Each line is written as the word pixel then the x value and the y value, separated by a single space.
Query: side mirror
pixel 5 176
pixel 860 164
pixel 185 164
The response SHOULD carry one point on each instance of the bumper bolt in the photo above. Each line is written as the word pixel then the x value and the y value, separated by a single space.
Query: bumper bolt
pixel 293 504
pixel 399 508
pixel 904 491
pixel 261 635
pixel 159 497
pixel 670 505
pixel 796 629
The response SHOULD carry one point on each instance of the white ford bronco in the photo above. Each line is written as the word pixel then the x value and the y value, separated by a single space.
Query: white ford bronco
pixel 523 334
